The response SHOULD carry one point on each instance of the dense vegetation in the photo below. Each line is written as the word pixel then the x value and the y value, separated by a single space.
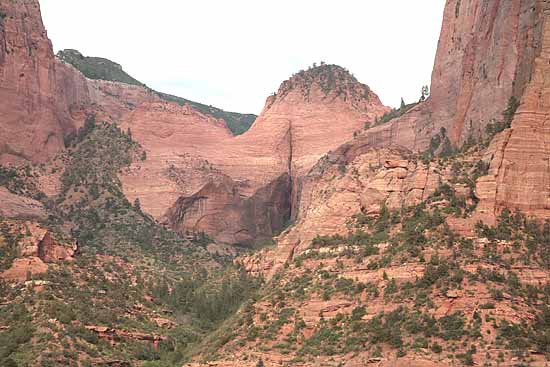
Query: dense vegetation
pixel 92 199
pixel 9 243
pixel 333 80
pixel 412 326
pixel 130 271
pixel 123 297
pixel 20 181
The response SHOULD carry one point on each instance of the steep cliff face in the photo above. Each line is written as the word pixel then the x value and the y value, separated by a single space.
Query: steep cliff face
pixel 519 175
pixel 488 52
pixel 485 55
pixel 33 121
pixel 322 108
pixel 252 180
pixel 347 182
pixel 43 99
pixel 256 186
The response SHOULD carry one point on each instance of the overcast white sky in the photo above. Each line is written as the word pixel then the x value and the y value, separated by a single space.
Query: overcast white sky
pixel 233 54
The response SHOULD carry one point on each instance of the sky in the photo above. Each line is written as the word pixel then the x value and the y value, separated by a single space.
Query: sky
pixel 233 54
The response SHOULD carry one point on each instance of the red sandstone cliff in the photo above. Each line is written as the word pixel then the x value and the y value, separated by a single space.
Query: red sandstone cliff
pixel 41 98
pixel 33 121
pixel 508 43
pixel 251 183
pixel 519 175
pixel 485 55
pixel 198 177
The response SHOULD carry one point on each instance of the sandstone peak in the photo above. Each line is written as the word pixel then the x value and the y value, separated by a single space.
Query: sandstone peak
pixel 325 81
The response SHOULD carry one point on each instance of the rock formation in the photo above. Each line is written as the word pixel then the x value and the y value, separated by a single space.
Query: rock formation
pixel 348 182
pixel 33 120
pixel 15 206
pixel 242 188
pixel 519 176
pixel 37 247
pixel 485 55
pixel 251 181
pixel 114 335
pixel 198 177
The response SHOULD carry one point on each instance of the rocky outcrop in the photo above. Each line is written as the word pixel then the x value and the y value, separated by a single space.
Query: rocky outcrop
pixel 344 183
pixel 37 248
pixel 15 206
pixel 115 335
pixel 33 121
pixel 51 251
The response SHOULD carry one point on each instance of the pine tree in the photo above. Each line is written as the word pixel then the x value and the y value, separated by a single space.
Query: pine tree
pixel 424 93
pixel 137 204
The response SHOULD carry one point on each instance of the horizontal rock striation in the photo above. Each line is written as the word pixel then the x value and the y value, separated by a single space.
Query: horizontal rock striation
pixel 519 176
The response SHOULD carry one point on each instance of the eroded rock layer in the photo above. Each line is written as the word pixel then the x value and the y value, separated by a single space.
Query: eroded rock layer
pixel 243 188
pixel 520 168
pixel 252 180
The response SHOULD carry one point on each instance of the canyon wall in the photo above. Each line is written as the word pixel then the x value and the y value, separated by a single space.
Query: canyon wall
pixel 244 188
pixel 33 121
pixel 485 56
pixel 488 52
pixel 519 176
pixel 196 176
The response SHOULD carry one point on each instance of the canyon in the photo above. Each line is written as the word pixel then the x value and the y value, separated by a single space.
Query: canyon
pixel 242 189
pixel 378 240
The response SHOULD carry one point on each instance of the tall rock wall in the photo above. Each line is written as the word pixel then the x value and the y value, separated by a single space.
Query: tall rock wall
pixel 519 176
pixel 33 122
pixel 198 177
pixel 41 98
pixel 488 52
pixel 485 56
pixel 244 188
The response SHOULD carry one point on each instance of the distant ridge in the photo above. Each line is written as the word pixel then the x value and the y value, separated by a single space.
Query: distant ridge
pixel 105 69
